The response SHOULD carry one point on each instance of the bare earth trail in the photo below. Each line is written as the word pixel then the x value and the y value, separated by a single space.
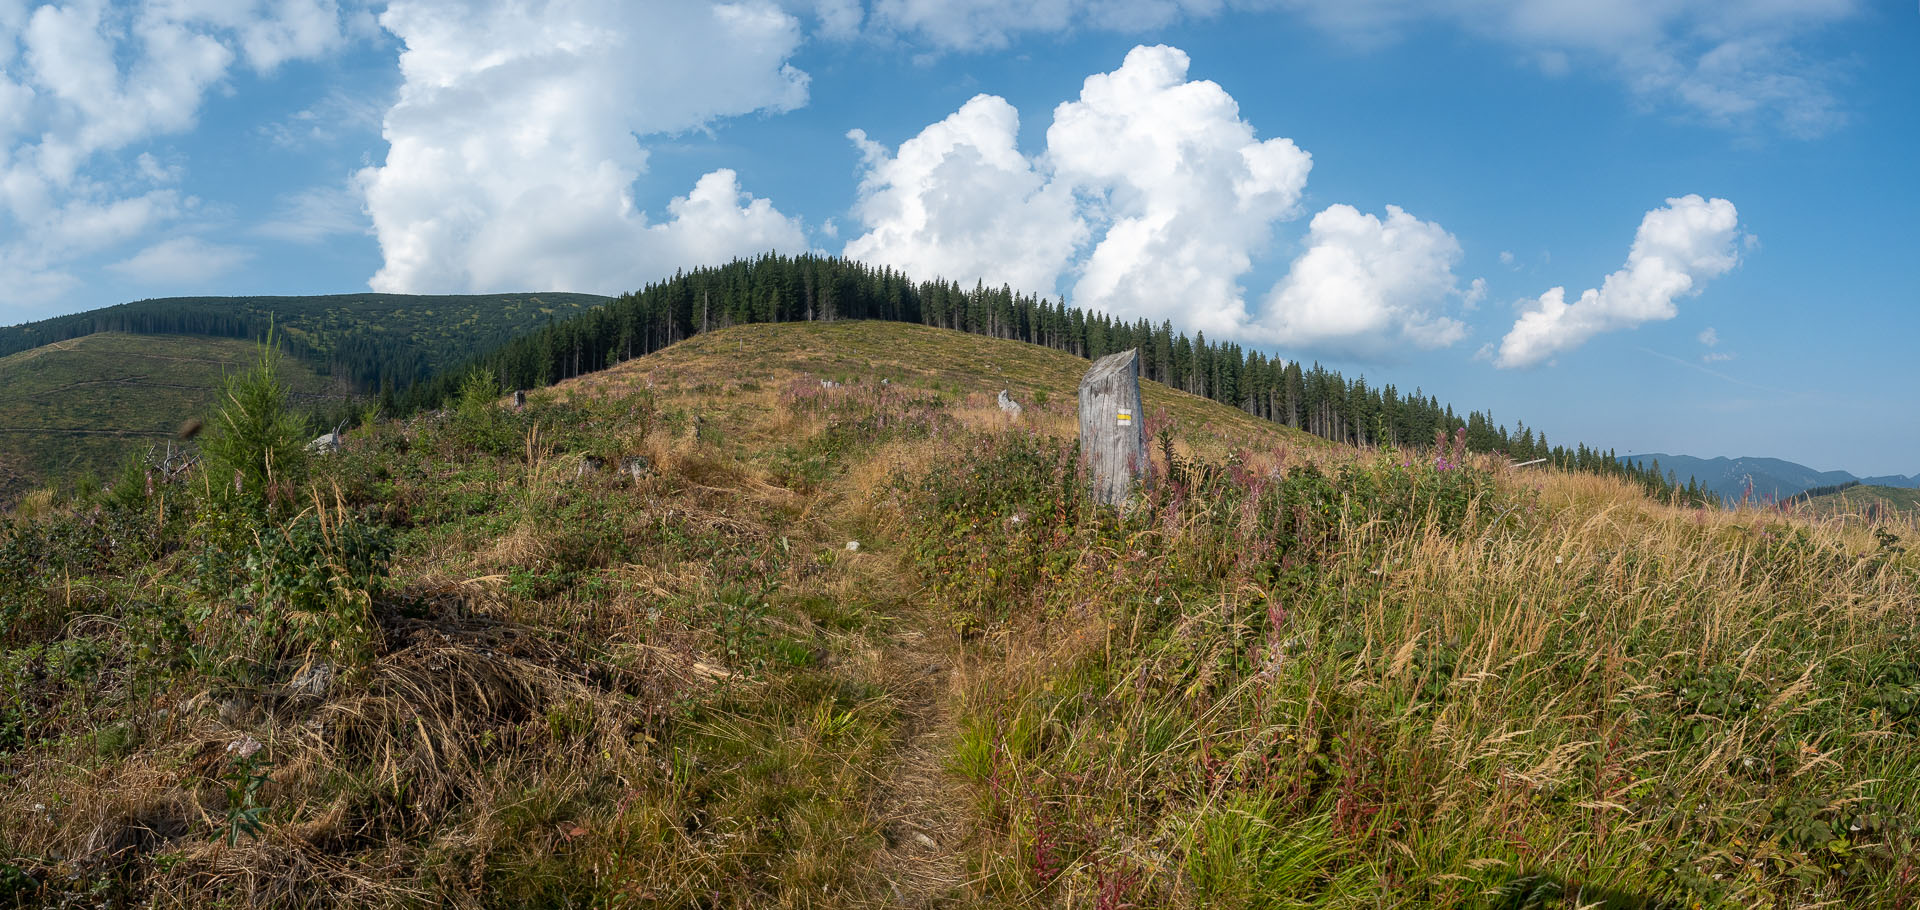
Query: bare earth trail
pixel 920 807
pixel 917 804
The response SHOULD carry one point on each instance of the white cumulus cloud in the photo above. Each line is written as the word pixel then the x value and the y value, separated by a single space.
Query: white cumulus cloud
pixel 84 83
pixel 1475 293
pixel 1676 250
pixel 718 221
pixel 959 201
pixel 1187 192
pixel 1151 197
pixel 512 152
pixel 1366 286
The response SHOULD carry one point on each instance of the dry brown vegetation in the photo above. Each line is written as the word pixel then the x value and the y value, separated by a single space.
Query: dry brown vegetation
pixel 1293 675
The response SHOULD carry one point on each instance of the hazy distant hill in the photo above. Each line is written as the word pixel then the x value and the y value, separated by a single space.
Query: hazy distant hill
pixel 1771 478
pixel 1871 500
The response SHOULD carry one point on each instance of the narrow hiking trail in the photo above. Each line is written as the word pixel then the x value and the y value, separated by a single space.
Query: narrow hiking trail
pixel 825 461
pixel 917 805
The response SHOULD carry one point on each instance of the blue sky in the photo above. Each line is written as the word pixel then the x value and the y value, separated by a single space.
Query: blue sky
pixel 1392 188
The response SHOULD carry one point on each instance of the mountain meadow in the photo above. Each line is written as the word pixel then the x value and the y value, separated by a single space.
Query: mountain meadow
pixel 401 354
pixel 791 613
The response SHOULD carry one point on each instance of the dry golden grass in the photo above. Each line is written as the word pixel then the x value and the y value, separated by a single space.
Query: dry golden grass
pixel 1488 670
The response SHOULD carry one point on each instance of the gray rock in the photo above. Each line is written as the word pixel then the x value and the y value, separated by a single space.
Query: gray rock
pixel 329 442
pixel 312 681
pixel 590 464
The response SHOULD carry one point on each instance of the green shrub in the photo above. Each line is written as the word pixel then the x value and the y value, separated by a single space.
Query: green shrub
pixel 304 586
pixel 256 442
pixel 479 422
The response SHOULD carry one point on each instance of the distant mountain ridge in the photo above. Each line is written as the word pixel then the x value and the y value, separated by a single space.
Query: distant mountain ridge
pixel 78 393
pixel 365 339
pixel 1771 479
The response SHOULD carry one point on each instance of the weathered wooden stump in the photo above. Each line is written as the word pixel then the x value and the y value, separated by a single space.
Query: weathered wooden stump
pixel 519 399
pixel 1112 438
pixel 1007 404
pixel 635 467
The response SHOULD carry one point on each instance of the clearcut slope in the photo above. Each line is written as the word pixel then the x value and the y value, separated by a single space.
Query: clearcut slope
pixel 83 405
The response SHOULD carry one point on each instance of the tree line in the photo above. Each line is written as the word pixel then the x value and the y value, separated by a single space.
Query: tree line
pixel 780 288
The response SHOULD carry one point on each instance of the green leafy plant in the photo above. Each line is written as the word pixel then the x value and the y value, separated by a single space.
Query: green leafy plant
pixel 242 782
pixel 299 587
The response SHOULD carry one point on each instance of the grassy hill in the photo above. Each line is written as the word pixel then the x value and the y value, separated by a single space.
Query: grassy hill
pixel 959 364
pixel 83 405
pixel 867 644
pixel 1867 500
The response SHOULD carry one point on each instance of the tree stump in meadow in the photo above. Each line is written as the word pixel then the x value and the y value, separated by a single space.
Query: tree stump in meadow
pixel 519 399
pixel 635 467
pixel 1112 438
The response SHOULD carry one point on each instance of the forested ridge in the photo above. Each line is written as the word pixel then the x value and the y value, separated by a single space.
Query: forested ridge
pixel 366 339
pixel 778 288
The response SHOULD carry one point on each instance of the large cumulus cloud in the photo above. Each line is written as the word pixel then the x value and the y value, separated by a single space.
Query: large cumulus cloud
pixel 959 201
pixel 1186 191
pixel 1367 285
pixel 513 153
pixel 1152 199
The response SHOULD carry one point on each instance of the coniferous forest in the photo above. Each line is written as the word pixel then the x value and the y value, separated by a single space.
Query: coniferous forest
pixel 778 288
